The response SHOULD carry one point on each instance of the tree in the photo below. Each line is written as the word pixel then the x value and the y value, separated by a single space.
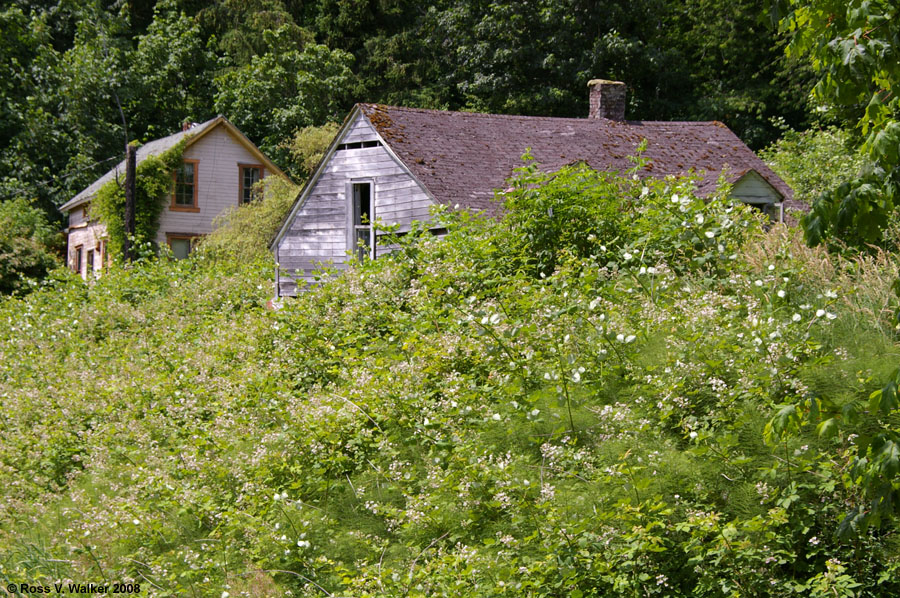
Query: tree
pixel 28 245
pixel 855 48
pixel 285 89
pixel 172 66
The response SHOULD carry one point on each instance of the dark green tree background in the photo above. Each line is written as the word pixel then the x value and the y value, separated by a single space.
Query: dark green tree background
pixel 82 71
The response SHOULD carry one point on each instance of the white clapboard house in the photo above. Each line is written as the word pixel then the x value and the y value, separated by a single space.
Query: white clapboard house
pixel 220 166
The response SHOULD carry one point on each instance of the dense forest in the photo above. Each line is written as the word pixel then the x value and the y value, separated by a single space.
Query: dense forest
pixel 84 75
pixel 561 401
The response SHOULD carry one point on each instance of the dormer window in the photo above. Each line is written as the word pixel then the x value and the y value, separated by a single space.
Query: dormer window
pixel 363 237
pixel 184 198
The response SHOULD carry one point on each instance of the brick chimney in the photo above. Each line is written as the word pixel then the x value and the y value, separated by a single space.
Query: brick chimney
pixel 607 99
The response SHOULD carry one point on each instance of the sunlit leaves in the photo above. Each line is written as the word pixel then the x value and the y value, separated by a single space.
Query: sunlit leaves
pixel 284 90
pixel 854 48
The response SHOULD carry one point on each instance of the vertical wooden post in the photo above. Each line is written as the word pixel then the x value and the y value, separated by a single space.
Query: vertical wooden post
pixel 130 165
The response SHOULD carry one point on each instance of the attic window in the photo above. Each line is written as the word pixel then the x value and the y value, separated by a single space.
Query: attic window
pixel 358 145
pixel 363 217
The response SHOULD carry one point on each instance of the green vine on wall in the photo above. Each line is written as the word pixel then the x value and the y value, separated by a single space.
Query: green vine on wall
pixel 153 185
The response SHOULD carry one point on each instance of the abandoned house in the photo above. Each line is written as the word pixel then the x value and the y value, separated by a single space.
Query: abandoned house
pixel 390 164
pixel 220 166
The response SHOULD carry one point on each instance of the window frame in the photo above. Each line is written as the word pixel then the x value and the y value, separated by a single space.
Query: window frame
pixel 78 252
pixel 195 207
pixel 352 227
pixel 241 168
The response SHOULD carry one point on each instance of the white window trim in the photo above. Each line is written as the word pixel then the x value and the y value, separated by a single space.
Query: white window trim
pixel 351 216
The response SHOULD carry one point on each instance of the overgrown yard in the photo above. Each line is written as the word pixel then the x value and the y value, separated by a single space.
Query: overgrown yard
pixel 567 402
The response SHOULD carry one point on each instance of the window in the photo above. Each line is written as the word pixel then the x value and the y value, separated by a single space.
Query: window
pixel 184 198
pixel 90 261
pixel 76 259
pixel 104 257
pixel 249 175
pixel 180 244
pixel 363 237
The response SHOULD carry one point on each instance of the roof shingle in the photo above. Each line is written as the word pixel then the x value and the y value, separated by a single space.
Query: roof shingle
pixel 462 157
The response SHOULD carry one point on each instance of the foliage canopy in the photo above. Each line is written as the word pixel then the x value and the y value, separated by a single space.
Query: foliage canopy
pixel 853 46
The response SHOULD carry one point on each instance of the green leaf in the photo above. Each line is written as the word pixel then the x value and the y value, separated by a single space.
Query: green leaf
pixel 852 524
pixel 786 420
pixel 827 428
pixel 884 400
pixel 886 144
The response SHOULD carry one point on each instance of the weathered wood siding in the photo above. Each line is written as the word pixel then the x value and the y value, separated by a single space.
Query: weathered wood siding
pixel 320 233
pixel 752 188
pixel 217 176
pixel 87 235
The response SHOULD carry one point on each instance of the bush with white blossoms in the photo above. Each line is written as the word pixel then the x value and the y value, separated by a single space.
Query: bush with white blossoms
pixel 618 389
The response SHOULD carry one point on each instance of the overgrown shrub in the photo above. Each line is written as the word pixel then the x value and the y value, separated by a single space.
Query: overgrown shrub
pixel 445 422
pixel 815 161
pixel 29 245
pixel 308 145
pixel 581 212
pixel 153 186
pixel 244 232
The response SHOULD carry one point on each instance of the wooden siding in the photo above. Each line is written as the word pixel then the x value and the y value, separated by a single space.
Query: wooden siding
pixel 752 188
pixel 320 231
pixel 88 236
pixel 218 155
pixel 76 216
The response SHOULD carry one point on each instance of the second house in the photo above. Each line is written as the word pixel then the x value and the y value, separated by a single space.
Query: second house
pixel 220 166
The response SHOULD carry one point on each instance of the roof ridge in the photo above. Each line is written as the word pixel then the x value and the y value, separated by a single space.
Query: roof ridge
pixel 390 107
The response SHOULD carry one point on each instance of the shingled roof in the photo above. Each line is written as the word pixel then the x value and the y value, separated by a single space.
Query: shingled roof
pixel 462 157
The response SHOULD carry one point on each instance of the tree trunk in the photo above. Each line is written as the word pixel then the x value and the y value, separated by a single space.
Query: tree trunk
pixel 130 165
